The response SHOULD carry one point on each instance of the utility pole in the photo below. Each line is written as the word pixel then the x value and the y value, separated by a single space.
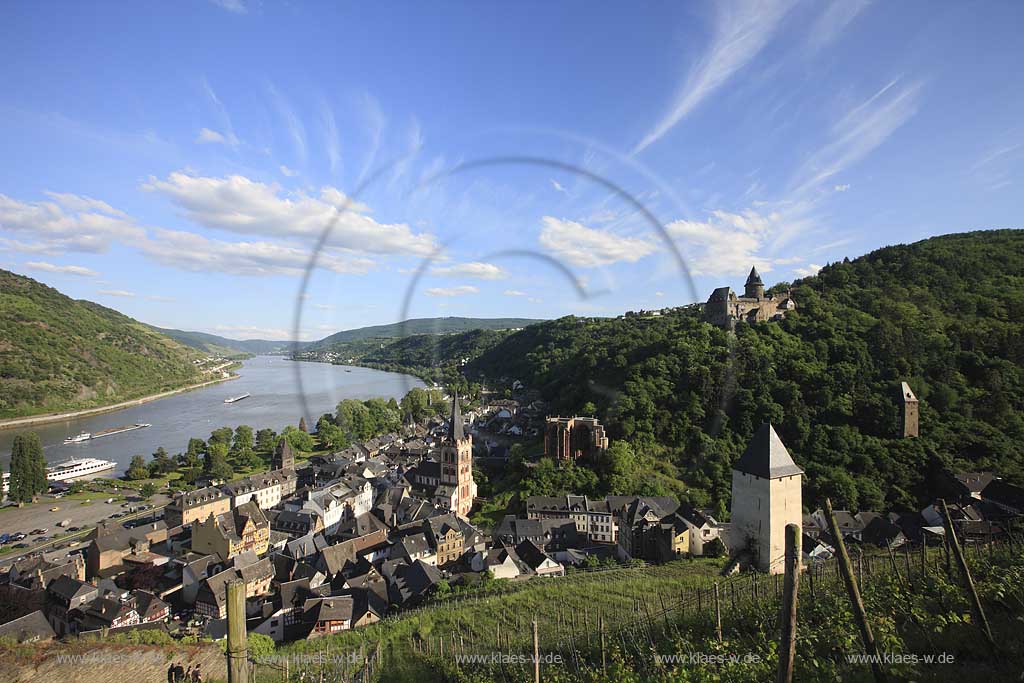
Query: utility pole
pixel 238 664
pixel 790 591
pixel 855 600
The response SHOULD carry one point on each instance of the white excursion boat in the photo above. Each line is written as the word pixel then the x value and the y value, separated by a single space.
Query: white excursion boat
pixel 78 468
pixel 83 436
pixel 236 398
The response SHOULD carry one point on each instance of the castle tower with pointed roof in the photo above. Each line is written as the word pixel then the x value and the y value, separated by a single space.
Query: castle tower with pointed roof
pixel 725 309
pixel 457 485
pixel 766 496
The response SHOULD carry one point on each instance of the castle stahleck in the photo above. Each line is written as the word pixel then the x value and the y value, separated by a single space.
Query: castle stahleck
pixel 724 308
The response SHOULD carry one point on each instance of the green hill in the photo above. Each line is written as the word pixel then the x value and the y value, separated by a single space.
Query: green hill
pixel 415 326
pixel 59 354
pixel 222 346
pixel 683 397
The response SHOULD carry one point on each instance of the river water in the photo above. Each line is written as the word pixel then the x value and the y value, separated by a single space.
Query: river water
pixel 276 401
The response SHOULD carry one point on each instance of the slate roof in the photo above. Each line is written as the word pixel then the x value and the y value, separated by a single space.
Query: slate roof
pixel 32 627
pixel 457 430
pixel 766 456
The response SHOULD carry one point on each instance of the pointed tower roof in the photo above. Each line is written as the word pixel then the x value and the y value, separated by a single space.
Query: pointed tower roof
pixel 766 456
pixel 754 278
pixel 455 429
pixel 908 393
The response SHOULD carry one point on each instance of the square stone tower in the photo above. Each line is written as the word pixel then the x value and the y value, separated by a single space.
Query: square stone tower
pixel 766 496
pixel 457 462
pixel 909 409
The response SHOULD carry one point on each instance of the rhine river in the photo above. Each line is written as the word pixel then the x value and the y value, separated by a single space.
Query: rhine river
pixel 275 401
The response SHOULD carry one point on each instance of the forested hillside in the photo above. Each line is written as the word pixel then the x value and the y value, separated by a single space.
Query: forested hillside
pixel 945 315
pixel 417 326
pixel 59 354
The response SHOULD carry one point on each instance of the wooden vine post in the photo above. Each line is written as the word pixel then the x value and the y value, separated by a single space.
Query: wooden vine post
pixel 968 582
pixel 790 591
pixel 846 569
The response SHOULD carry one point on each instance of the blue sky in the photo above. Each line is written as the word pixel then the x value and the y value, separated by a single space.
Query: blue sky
pixel 179 161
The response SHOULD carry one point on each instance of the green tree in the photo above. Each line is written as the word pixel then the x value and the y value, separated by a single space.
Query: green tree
pixel 161 463
pixel 28 469
pixel 266 439
pixel 216 464
pixel 299 440
pixel 148 490
pixel 137 468
pixel 329 434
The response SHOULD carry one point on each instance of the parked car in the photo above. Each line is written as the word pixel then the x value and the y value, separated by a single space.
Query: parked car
pixel 74 529
pixel 20 536
pixel 36 532
pixel 21 545
pixel 117 515
pixel 4 538
pixel 54 509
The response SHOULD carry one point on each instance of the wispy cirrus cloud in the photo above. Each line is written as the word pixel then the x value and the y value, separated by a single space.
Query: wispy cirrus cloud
pixel 859 132
pixel 833 20
pixel 47 267
pixel 514 292
pixel 586 247
pixel 461 290
pixel 293 126
pixel 740 30
pixel 236 6
pixel 116 292
pixel 474 269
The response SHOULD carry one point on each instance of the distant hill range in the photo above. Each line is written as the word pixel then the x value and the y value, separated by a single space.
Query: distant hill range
pixel 222 346
pixel 59 354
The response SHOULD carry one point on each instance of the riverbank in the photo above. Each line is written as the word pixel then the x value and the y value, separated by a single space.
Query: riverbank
pixel 15 422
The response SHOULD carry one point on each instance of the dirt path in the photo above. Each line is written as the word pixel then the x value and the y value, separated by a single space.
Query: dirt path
pixel 57 417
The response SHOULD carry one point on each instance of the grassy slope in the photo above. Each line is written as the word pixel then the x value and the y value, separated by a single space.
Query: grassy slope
pixel 59 354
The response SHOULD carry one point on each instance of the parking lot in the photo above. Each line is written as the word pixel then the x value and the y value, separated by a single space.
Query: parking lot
pixel 83 515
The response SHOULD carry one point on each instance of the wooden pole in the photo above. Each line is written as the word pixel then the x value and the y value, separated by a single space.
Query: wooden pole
pixel 790 591
pixel 856 602
pixel 718 615
pixel 968 581
pixel 237 650
pixel 600 625
pixel 536 654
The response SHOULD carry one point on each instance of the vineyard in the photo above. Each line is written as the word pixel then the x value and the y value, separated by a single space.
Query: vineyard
pixel 682 621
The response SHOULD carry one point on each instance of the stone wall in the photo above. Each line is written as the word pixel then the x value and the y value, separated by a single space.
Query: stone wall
pixel 106 663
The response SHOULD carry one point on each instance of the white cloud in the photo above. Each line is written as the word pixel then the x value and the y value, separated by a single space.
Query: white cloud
pixel 157 297
pixel 72 223
pixel 535 300
pixel 841 188
pixel 859 132
pixel 115 292
pixel 558 186
pixel 808 271
pixel 659 294
pixel 192 252
pixel 290 172
pixel 475 269
pixel 740 30
pixel 452 291
pixel 257 332
pixel 730 243
pixel 207 136
pixel 245 206
pixel 236 6
pixel 514 292
pixel 587 247
pixel 66 270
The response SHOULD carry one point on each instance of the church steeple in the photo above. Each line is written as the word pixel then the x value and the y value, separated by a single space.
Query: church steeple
pixel 754 278
pixel 456 429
